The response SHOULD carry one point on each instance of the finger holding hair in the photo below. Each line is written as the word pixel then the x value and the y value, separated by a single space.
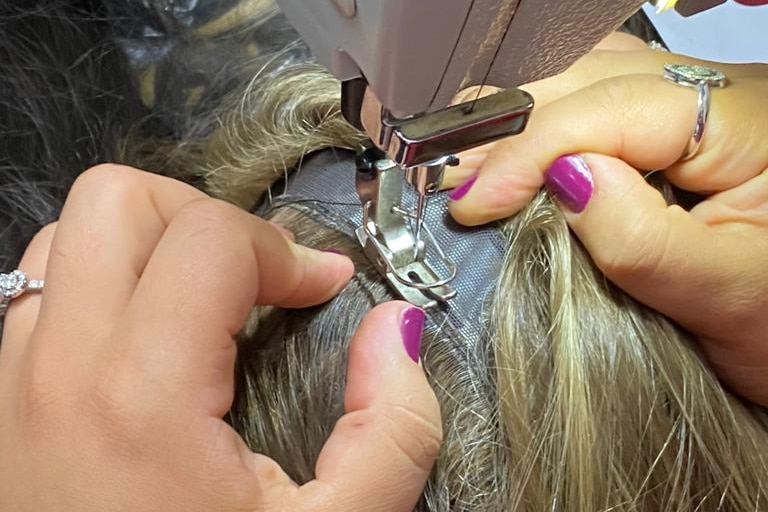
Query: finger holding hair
pixel 110 224
pixel 136 370
pixel 380 453
pixel 617 56
pixel 112 219
pixel 213 264
pixel 706 270
pixel 642 119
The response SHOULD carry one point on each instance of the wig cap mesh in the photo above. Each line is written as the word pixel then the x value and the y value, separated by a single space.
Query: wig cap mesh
pixel 323 187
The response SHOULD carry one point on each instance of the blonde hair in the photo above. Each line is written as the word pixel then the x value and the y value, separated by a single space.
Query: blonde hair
pixel 578 399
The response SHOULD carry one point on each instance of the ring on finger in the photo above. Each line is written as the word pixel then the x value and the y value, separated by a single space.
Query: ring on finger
pixel 15 284
pixel 703 79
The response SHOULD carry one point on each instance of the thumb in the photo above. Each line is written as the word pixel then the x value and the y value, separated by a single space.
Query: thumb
pixel 381 451
pixel 659 254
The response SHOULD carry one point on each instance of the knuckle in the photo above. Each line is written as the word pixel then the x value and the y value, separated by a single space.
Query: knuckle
pixel 110 180
pixel 614 101
pixel 209 215
pixel 40 406
pixel 412 433
pixel 207 224
pixel 616 91
pixel 117 412
pixel 618 97
pixel 43 408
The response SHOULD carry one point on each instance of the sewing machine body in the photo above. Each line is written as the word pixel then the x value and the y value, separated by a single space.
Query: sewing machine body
pixel 402 61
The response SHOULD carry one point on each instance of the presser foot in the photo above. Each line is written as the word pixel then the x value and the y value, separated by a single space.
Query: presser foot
pixel 396 241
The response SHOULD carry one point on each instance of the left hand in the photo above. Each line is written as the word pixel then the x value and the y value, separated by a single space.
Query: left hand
pixel 114 381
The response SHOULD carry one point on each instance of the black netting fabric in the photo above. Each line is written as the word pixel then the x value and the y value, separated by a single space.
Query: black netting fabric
pixel 324 187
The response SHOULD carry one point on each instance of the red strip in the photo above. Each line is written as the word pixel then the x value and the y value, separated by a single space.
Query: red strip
pixel 752 2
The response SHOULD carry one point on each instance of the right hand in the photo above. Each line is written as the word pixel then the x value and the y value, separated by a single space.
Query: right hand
pixel 707 269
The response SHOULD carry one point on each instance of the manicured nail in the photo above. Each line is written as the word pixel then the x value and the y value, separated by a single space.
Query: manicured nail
pixel 411 329
pixel 462 189
pixel 569 179
pixel 333 250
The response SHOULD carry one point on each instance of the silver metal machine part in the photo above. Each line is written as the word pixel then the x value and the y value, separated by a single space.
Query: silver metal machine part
pixel 419 139
pixel 426 179
pixel 391 235
pixel 324 188
pixel 402 61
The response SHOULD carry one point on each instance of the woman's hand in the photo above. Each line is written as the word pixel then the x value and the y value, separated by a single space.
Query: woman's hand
pixel 707 268
pixel 114 383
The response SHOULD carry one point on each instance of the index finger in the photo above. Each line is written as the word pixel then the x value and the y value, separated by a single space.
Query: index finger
pixel 612 58
pixel 111 221
pixel 642 119
pixel 212 265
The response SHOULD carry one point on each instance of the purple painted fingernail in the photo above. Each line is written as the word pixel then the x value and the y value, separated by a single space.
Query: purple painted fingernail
pixel 569 179
pixel 411 329
pixel 462 189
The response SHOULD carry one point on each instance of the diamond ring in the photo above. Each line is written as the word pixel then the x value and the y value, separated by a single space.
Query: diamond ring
pixel 702 78
pixel 15 284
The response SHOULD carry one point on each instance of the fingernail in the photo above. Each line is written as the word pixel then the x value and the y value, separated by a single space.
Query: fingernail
pixel 569 179
pixel 411 329
pixel 462 189
pixel 333 250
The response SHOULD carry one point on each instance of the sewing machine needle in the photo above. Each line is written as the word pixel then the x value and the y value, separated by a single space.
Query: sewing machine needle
pixel 421 207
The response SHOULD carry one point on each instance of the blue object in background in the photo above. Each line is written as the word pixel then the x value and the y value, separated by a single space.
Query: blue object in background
pixel 730 32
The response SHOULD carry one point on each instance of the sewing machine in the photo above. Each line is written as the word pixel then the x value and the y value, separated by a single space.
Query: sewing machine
pixel 402 61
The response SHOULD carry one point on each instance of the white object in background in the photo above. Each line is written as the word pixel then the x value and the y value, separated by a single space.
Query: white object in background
pixel 730 32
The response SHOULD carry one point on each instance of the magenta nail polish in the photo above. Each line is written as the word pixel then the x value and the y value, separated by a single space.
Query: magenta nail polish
pixel 411 329
pixel 569 179
pixel 462 189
